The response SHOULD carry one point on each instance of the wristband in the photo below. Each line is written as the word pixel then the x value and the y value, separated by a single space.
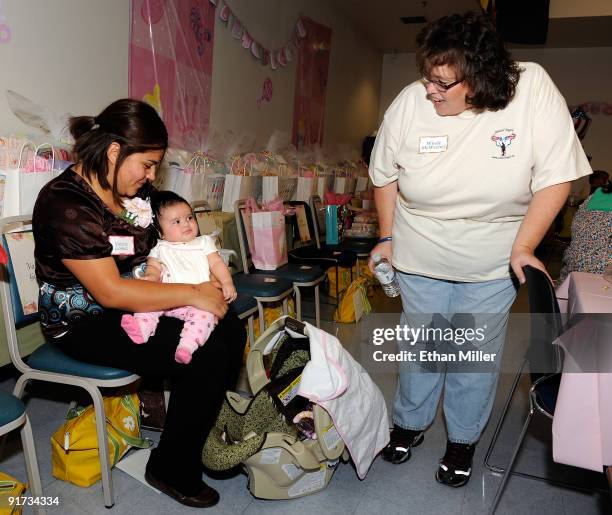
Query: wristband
pixel 386 238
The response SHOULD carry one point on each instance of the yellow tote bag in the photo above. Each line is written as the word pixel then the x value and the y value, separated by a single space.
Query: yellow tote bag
pixel 74 446
pixel 9 489
pixel 354 303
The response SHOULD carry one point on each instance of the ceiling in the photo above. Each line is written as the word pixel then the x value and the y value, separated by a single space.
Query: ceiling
pixel 379 21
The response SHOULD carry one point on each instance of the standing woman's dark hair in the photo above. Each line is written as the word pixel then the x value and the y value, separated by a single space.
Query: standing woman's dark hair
pixel 469 43
pixel 133 124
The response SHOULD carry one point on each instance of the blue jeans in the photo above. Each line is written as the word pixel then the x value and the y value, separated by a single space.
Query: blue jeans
pixel 468 396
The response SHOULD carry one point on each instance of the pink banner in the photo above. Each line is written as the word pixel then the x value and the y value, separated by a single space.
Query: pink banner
pixel 171 51
pixel 311 84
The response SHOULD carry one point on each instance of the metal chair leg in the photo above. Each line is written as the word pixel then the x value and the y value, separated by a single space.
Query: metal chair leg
pixel 107 480
pixel 337 287
pixel 317 307
pixel 29 452
pixel 251 330
pixel 500 489
pixel 262 322
pixel 500 423
pixel 298 303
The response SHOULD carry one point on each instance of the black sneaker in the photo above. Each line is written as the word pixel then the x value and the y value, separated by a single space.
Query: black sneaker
pixel 398 449
pixel 456 466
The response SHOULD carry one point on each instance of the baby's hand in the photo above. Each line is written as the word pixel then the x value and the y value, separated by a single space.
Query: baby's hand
pixel 229 291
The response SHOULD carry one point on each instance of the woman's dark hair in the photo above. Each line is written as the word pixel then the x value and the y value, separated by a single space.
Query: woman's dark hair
pixel 162 199
pixel 133 124
pixel 468 43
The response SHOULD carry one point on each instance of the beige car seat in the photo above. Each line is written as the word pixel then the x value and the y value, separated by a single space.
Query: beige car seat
pixel 281 462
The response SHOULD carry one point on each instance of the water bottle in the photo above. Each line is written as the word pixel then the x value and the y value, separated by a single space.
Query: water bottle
pixel 385 273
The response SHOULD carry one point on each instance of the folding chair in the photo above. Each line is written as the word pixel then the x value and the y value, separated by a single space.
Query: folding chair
pixel 301 276
pixel 13 416
pixel 546 326
pixel 47 362
pixel 360 246
pixel 311 252
pixel 246 304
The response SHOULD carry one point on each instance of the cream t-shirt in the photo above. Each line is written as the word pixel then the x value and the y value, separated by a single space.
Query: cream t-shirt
pixel 185 262
pixel 465 181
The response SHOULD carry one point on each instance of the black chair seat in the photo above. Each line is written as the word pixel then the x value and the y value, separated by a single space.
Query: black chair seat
pixel 357 246
pixel 295 272
pixel 49 358
pixel 256 285
pixel 324 258
pixel 243 304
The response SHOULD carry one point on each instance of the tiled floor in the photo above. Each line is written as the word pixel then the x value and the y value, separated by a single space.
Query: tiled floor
pixel 389 489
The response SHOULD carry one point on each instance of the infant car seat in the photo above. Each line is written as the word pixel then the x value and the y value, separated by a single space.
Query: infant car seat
pixel 288 446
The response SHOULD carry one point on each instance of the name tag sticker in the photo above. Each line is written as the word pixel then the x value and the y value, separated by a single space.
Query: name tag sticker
pixel 433 144
pixel 122 245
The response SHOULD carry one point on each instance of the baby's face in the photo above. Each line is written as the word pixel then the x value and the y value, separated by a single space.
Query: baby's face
pixel 178 223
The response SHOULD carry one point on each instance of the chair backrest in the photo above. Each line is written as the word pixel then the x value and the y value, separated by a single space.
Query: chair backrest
pixel 299 205
pixel 19 288
pixel 241 221
pixel 318 216
pixel 546 324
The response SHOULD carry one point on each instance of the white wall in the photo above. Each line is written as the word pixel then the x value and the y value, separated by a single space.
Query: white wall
pixel 72 55
pixel 351 106
pixel 581 74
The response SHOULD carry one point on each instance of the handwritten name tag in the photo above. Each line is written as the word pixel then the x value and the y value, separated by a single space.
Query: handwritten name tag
pixel 433 144
pixel 122 245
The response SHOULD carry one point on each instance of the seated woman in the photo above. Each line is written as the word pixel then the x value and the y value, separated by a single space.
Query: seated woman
pixel 87 245
pixel 591 246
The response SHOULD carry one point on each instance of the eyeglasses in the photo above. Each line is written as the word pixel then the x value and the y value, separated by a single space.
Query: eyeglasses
pixel 440 86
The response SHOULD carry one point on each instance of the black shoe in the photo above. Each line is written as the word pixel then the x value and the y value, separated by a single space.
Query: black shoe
pixel 456 466
pixel 206 498
pixel 398 449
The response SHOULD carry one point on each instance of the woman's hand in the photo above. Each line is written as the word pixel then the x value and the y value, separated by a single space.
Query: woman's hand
pixel 385 250
pixel 521 256
pixel 209 297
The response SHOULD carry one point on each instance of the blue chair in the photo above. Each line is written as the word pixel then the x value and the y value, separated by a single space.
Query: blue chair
pixel 546 326
pixel 13 416
pixel 47 362
pixel 263 289
pixel 312 253
pixel 300 276
pixel 360 246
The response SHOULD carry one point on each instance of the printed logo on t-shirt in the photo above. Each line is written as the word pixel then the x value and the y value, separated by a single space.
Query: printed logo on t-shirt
pixel 503 139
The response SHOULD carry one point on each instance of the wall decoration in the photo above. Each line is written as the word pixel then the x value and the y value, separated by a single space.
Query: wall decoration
pixel 266 92
pixel 311 83
pixel 171 52
pixel 5 30
pixel 275 58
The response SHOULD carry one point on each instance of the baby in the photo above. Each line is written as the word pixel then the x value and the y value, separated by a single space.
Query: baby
pixel 181 256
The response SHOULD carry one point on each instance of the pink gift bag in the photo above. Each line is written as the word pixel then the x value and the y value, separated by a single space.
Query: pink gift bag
pixel 269 250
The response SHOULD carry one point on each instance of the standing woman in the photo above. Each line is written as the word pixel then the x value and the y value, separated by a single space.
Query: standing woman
pixel 471 165
pixel 87 244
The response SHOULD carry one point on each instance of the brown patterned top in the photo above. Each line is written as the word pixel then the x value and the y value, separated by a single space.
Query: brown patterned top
pixel 71 222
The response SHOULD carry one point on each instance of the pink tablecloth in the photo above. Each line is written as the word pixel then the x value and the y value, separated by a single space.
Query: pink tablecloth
pixel 582 426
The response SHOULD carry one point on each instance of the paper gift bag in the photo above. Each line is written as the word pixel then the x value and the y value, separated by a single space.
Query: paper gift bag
pixel 304 189
pixel 324 184
pixel 238 187
pixel 23 182
pixel 269 250
pixel 331 225
pixel 362 184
